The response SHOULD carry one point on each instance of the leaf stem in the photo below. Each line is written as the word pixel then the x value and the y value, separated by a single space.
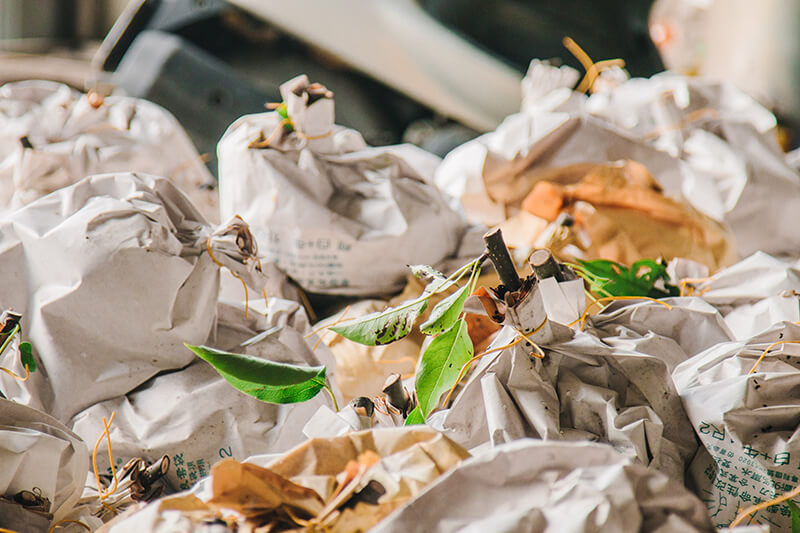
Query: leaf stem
pixel 333 398
pixel 8 339
pixel 454 277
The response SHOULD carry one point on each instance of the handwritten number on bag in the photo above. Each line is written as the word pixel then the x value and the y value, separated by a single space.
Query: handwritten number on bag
pixel 225 452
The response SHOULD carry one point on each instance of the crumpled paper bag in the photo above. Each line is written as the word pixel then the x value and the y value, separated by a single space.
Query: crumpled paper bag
pixel 112 275
pixel 40 455
pixel 551 487
pixel 692 323
pixel 610 384
pixel 491 176
pixel 197 418
pixel 704 141
pixel 70 135
pixel 732 166
pixel 617 211
pixel 747 422
pixel 373 472
pixel 324 205
pixel 754 294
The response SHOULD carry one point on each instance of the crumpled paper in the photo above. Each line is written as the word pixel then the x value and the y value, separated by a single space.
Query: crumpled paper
pixel 617 211
pixel 70 135
pixel 704 141
pixel 323 204
pixel 346 483
pixel 197 418
pixel 747 423
pixel 754 294
pixel 551 487
pixel 609 384
pixel 112 275
pixel 39 455
pixel 733 168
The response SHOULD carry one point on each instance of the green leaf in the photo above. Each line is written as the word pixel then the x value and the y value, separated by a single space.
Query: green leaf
pixel 445 313
pixel 266 380
pixel 795 513
pixel 440 365
pixel 384 327
pixel 26 356
pixel 415 418
pixel 284 114
pixel 609 278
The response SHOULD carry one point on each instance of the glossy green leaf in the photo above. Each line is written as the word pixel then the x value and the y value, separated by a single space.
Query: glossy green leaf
pixel 384 327
pixel 440 364
pixel 445 313
pixel 609 278
pixel 795 514
pixel 414 417
pixel 266 380
pixel 26 356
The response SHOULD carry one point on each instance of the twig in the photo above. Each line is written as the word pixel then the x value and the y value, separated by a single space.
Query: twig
pixel 501 259
pixel 544 265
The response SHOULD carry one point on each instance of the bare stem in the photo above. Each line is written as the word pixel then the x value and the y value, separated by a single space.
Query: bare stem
pixel 501 259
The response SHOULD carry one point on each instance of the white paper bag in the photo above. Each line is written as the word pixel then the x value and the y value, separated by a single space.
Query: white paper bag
pixel 197 418
pixel 754 294
pixel 543 487
pixel 612 388
pixel 40 455
pixel 733 168
pixel 747 423
pixel 337 215
pixel 112 275
pixel 70 135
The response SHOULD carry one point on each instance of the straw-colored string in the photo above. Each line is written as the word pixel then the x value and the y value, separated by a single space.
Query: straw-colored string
pixel 101 493
pixel 687 287
pixel 582 319
pixel 62 522
pixel 235 275
pixel 592 68
pixel 521 337
pixel 764 353
pixel 15 376
pixel 763 505
pixel 690 118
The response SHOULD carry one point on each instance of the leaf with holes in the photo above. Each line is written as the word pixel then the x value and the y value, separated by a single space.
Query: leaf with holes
pixel 26 356
pixel 440 364
pixel 265 380
pixel 384 327
pixel 445 313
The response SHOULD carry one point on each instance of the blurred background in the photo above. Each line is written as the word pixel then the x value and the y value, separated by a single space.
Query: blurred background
pixel 432 72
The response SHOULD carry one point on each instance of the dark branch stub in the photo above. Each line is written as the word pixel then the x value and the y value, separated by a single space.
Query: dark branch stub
pixel 544 265
pixel 501 259
pixel 397 394
pixel 363 406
